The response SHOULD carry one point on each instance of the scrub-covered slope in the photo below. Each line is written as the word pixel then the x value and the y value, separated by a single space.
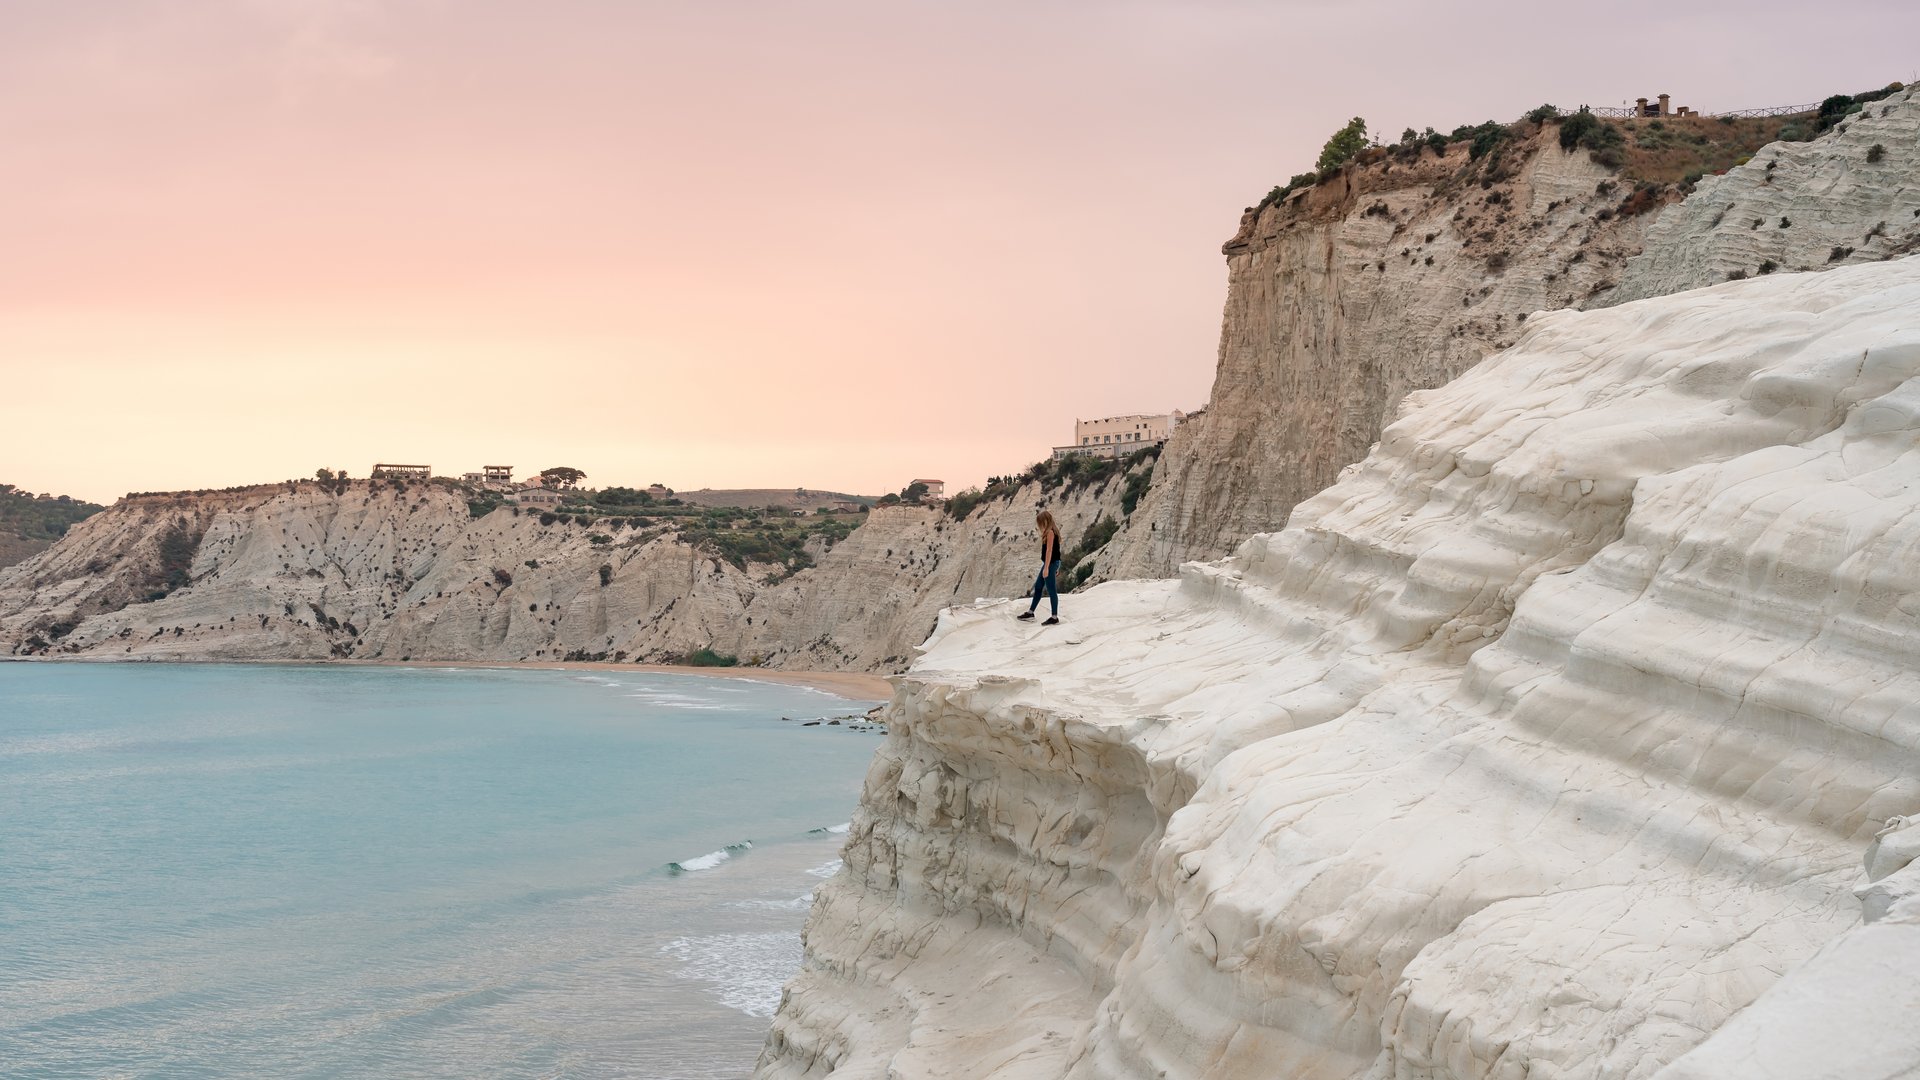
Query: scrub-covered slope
pixel 1850 196
pixel 381 570
pixel 1396 276
pixel 1346 295
pixel 1540 744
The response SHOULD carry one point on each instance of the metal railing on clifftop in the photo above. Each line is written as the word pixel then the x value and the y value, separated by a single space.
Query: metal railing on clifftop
pixel 1629 112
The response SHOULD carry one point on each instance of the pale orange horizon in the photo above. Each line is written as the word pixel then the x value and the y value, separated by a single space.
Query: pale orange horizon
pixel 831 245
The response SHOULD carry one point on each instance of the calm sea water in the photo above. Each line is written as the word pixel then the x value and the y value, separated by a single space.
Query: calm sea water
pixel 238 870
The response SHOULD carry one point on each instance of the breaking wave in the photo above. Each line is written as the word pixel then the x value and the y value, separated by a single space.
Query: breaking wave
pixel 710 860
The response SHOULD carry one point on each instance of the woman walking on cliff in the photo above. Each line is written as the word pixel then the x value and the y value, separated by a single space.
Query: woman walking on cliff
pixel 1049 569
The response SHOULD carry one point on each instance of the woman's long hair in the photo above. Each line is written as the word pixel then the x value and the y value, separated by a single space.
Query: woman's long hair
pixel 1045 521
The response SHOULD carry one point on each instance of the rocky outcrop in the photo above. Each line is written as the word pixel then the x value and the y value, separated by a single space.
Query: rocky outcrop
pixel 1834 201
pixel 1542 743
pixel 377 570
pixel 1388 279
pixel 1846 1013
pixel 1347 296
pixel 876 595
pixel 371 570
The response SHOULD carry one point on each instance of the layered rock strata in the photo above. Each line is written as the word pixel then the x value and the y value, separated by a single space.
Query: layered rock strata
pixel 375 571
pixel 1347 296
pixel 1336 310
pixel 1850 196
pixel 1542 743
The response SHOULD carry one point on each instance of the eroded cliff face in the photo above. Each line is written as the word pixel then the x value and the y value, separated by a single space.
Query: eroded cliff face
pixel 303 571
pixel 1339 304
pixel 1540 744
pixel 375 571
pixel 876 595
pixel 1348 295
pixel 1834 201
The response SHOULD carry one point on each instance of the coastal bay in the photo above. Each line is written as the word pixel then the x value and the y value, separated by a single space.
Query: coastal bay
pixel 366 870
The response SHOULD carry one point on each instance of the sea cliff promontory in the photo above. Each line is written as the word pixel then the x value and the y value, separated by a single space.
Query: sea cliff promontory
pixel 1568 732
pixel 1400 273
pixel 1542 743
pixel 387 570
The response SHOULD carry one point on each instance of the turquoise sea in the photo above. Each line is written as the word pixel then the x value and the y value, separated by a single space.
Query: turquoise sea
pixel 298 871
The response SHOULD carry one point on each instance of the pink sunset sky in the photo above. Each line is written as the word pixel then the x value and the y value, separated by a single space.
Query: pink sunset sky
pixel 713 243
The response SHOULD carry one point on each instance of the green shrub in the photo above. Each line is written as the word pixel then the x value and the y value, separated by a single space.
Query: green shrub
pixel 1876 153
pixel 1543 113
pixel 599 539
pixel 1093 539
pixel 606 574
pixel 1343 145
pixel 1485 138
pixel 1769 266
pixel 1603 141
pixel 1797 131
pixel 1838 253
pixel 959 506
pixel 1137 485
pixel 708 658
pixel 1298 181
pixel 173 566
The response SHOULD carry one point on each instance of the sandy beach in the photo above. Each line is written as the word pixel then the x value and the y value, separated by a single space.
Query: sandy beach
pixel 852 685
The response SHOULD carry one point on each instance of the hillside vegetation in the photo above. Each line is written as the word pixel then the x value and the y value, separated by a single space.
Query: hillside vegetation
pixel 1670 150
pixel 30 523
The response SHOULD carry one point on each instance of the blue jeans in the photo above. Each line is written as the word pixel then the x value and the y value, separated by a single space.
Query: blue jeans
pixel 1049 583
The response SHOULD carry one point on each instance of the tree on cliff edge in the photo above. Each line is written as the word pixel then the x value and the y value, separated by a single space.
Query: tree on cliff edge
pixel 562 476
pixel 1345 143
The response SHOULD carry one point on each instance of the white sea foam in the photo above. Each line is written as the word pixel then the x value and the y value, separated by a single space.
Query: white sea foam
pixel 745 971
pixel 670 700
pixel 711 859
pixel 827 869
pixel 798 903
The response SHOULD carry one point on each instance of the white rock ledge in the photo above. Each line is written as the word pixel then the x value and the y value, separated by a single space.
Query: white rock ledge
pixel 1540 745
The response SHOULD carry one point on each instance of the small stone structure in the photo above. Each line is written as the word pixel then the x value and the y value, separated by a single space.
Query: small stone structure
pixel 1664 107
pixel 402 472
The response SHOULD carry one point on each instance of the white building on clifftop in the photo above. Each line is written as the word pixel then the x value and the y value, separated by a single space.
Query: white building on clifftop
pixel 1116 436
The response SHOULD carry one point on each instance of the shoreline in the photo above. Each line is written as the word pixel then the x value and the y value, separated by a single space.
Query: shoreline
pixel 850 685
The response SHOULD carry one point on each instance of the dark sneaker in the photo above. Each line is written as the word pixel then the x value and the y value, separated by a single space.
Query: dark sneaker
pixel 1024 615
pixel 1052 620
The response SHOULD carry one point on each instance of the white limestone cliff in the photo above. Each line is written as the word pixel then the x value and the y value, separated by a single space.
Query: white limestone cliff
pixel 1348 295
pixel 877 594
pixel 1335 309
pixel 1796 206
pixel 1543 743
pixel 378 571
